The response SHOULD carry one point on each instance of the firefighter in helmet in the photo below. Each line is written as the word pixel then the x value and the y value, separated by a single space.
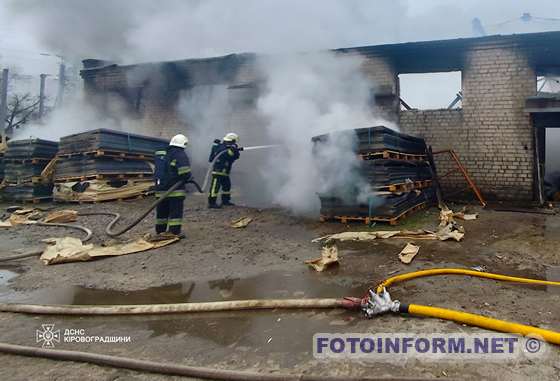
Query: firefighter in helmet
pixel 223 154
pixel 172 166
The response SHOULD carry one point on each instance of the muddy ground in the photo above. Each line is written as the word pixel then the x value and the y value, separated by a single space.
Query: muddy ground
pixel 265 260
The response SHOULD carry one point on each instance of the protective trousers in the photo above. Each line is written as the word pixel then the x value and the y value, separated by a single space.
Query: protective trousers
pixel 169 215
pixel 219 182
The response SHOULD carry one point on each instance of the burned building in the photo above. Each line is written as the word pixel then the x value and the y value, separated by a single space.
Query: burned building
pixel 498 132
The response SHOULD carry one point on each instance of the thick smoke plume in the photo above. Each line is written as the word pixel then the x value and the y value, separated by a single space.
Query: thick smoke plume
pixel 308 95
pixel 78 115
pixel 303 95
pixel 139 30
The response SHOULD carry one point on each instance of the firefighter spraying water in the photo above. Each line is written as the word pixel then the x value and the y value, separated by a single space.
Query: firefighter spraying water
pixel 222 156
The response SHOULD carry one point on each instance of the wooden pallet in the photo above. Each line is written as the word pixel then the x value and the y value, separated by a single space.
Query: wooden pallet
pixel 104 176
pixel 34 160
pixel 29 181
pixel 394 155
pixel 131 198
pixel 34 200
pixel 108 153
pixel 405 187
pixel 370 220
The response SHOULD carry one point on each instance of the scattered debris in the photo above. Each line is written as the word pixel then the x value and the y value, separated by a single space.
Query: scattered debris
pixel 241 222
pixel 447 216
pixel 465 216
pixel 62 216
pixel 23 211
pixel 20 219
pixel 408 253
pixel 68 249
pixel 448 232
pixel 329 256
pixel 480 268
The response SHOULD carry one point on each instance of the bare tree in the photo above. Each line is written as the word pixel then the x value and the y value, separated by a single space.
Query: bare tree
pixel 21 109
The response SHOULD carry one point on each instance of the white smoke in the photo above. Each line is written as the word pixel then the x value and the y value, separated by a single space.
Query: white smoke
pixel 205 110
pixel 309 95
pixel 79 115
pixel 138 30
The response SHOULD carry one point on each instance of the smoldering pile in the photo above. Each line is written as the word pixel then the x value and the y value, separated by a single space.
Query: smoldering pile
pixel 392 177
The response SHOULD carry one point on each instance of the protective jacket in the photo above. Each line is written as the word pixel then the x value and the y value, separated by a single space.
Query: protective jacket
pixel 222 166
pixel 172 166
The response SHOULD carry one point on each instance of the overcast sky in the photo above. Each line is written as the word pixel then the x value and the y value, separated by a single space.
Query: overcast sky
pixel 131 31
pixel 144 30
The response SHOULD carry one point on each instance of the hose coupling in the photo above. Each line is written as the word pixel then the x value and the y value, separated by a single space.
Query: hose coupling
pixel 377 304
pixel 351 303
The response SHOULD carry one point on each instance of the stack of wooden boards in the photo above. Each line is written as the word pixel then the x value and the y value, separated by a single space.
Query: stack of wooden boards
pixel 24 160
pixel 393 169
pixel 105 165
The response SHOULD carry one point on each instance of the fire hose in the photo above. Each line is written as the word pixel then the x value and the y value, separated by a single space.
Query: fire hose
pixel 109 228
pixel 175 369
pixel 377 302
pixel 116 216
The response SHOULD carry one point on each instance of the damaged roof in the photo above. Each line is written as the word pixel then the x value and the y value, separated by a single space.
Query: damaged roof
pixel 543 50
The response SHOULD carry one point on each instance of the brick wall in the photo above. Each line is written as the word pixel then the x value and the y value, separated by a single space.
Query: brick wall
pixel 491 134
pixel 498 140
pixel 441 129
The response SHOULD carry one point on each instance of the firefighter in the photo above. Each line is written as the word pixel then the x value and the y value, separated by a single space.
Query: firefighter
pixel 223 154
pixel 172 166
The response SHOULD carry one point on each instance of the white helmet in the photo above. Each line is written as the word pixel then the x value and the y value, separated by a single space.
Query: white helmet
pixel 231 137
pixel 180 141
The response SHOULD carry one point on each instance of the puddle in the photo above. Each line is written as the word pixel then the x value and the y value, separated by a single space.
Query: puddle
pixel 283 331
pixel 276 284
pixel 5 276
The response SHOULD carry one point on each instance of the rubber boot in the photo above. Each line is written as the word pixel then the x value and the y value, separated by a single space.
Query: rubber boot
pixel 226 200
pixel 212 203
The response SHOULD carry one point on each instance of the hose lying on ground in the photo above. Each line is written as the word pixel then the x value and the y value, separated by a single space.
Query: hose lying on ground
pixel 32 253
pixel 481 322
pixel 117 216
pixel 468 318
pixel 450 271
pixel 36 252
pixel 143 309
pixel 109 228
pixel 348 303
pixel 172 368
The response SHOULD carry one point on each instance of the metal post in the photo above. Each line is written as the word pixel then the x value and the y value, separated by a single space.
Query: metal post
pixel 61 82
pixel 3 104
pixel 42 97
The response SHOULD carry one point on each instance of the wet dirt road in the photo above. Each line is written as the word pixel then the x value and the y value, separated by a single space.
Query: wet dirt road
pixel 265 260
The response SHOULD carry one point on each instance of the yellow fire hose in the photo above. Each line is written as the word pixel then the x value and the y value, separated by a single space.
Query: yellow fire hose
pixel 378 302
pixel 479 274
pixel 468 318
